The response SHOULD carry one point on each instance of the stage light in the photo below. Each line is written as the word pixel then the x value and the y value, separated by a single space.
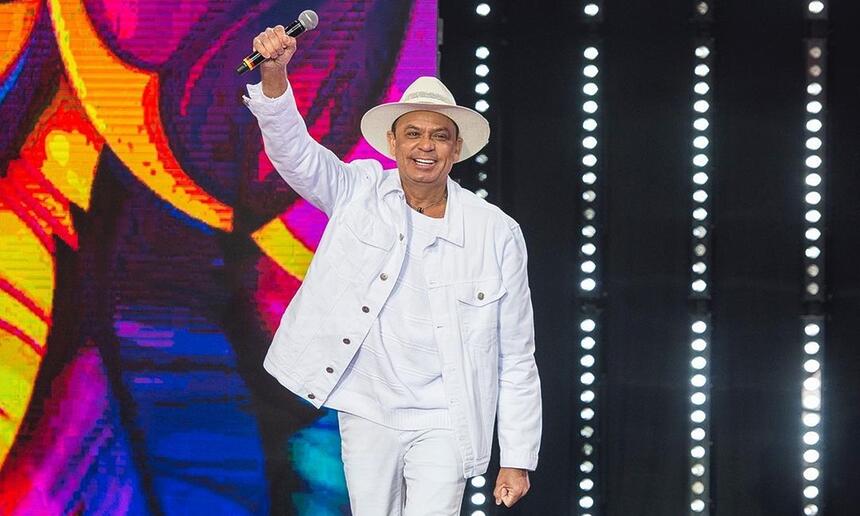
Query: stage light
pixel 478 498
pixel 482 70
pixel 482 9
pixel 701 124
pixel 701 106
pixel 482 52
pixel 589 124
pixel 479 481
pixel 586 379
pixel 590 89
pixel 590 71
pixel 813 125
pixel 482 105
pixel 700 178
pixel 482 88
pixel 481 159
pixel 482 193
pixel 587 343
pixel 591 9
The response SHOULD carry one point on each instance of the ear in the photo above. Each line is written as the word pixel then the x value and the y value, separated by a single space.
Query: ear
pixel 391 142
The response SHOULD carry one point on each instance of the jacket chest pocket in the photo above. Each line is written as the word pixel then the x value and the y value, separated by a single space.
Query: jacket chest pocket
pixel 363 242
pixel 478 311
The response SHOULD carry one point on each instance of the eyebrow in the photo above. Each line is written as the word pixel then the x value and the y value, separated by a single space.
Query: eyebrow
pixel 434 130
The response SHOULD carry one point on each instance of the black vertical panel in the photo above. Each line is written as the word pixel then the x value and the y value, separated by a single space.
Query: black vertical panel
pixel 757 348
pixel 841 401
pixel 647 91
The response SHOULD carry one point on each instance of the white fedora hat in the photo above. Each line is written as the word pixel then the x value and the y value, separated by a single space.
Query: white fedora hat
pixel 426 94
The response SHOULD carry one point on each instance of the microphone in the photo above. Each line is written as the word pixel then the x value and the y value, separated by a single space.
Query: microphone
pixel 307 21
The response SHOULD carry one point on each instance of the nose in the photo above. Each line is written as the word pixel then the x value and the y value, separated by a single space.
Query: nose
pixel 426 143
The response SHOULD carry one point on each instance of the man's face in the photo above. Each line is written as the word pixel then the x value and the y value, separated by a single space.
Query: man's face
pixel 426 145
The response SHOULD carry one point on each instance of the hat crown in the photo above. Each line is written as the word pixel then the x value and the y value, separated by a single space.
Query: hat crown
pixel 428 90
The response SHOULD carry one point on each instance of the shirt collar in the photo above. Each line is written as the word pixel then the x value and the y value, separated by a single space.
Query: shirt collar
pixel 454 230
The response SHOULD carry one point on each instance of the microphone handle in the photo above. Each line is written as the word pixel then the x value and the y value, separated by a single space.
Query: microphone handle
pixel 253 60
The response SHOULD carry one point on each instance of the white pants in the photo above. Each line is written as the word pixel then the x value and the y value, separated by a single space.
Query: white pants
pixel 400 472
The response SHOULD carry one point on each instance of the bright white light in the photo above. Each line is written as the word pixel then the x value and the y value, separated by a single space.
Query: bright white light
pixel 814 88
pixel 590 107
pixel 698 487
pixel 478 513
pixel 700 124
pixel 698 363
pixel 590 89
pixel 479 481
pixel 589 124
pixel 811 365
pixel 586 502
pixel 479 499
pixel 699 267
pixel 481 159
pixel 587 325
pixel 812 329
pixel 699 327
pixel 700 142
pixel 697 434
pixel 699 345
pixel 482 9
pixel 702 51
pixel 586 414
pixel 811 347
pixel 811 456
pixel 589 195
pixel 701 106
pixel 588 249
pixel 482 52
pixel 589 142
pixel 700 250
pixel 482 70
pixel 810 492
pixel 587 432
pixel 700 196
pixel 813 161
pixel 698 416
pixel 482 105
pixel 587 343
pixel 589 178
pixel 591 53
pixel 589 231
pixel 591 9
pixel 699 285
pixel 811 402
pixel 810 509
pixel 813 125
pixel 814 107
pixel 586 379
pixel 588 267
pixel 587 396
pixel 811 419
pixel 813 216
pixel 812 252
pixel 700 232
pixel 700 214
pixel 697 505
pixel 812 270
pixel 813 198
pixel 700 178
pixel 701 87
pixel 812 383
pixel 586 484
pixel 698 398
pixel 586 467
pixel 813 179
pixel 590 71
pixel 697 452
pixel 587 284
pixel 700 160
pixel 699 380
pixel 702 70
pixel 587 360
pixel 815 7
pixel 813 143
pixel 482 88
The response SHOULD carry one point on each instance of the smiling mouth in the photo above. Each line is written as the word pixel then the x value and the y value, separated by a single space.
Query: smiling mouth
pixel 424 162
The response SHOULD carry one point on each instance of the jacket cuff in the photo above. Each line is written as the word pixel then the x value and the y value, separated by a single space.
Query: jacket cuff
pixel 518 459
pixel 260 104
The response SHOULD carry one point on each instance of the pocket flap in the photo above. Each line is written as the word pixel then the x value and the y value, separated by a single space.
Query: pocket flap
pixel 481 293
pixel 369 229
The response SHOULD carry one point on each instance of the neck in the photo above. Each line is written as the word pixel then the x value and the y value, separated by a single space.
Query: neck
pixel 421 194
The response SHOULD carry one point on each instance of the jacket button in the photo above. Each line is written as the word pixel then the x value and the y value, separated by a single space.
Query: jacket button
pixel 329 370
pixel 365 309
pixel 311 396
pixel 383 276
pixel 346 341
pixel 481 296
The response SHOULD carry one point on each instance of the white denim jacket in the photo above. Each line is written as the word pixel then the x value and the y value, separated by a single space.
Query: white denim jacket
pixel 478 285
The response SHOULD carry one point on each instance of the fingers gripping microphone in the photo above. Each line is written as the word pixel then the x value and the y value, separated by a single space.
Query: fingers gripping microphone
pixel 307 21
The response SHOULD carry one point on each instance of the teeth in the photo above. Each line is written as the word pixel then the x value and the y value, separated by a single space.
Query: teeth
pixel 425 161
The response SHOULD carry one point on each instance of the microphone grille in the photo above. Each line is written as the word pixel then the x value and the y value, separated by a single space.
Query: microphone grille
pixel 309 19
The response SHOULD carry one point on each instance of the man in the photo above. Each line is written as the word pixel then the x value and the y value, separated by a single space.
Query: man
pixel 414 320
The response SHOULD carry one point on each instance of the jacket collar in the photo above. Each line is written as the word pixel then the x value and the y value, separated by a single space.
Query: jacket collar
pixel 454 230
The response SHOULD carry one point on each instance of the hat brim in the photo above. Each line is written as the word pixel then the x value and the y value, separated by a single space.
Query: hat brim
pixel 473 127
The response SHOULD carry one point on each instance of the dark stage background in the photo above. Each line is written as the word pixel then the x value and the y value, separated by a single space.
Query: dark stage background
pixel 757 241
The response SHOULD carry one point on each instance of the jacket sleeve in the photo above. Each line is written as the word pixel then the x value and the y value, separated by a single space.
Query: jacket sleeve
pixel 519 415
pixel 313 171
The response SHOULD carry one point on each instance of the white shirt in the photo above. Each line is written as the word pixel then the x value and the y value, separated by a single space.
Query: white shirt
pixel 395 378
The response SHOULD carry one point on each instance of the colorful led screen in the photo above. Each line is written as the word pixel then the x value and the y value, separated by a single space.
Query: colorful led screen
pixel 148 250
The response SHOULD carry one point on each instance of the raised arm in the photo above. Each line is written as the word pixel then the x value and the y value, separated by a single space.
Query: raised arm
pixel 313 171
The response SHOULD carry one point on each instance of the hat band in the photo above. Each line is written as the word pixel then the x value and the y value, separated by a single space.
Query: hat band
pixel 428 95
